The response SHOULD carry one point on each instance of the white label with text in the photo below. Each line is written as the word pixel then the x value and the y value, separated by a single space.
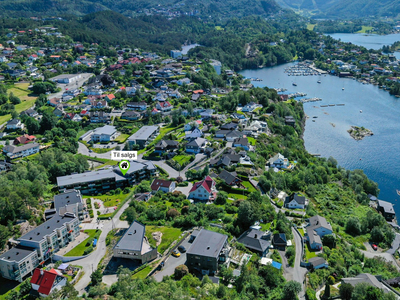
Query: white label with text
pixel 124 155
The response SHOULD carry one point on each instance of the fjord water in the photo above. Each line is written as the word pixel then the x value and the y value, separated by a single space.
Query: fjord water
pixel 369 41
pixel 377 155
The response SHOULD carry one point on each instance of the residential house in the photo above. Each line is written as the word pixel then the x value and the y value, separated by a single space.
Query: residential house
pixel 230 178
pixel 318 263
pixel 59 111
pixel 278 161
pixel 183 81
pixel 190 126
pixel 165 186
pixel 21 151
pixel 30 113
pixel 110 97
pixel 315 230
pixel 54 102
pixel 255 128
pixel 196 146
pixel 207 114
pixel 203 190
pixel 164 106
pixel 107 133
pixel 165 145
pixel 130 91
pixel 289 120
pixel 295 201
pixel 207 251
pixel 99 117
pixel 279 241
pixel 369 279
pixel 15 124
pixel 46 282
pixel 134 245
pixel 24 139
pixel 144 136
pixel 240 117
pixel 131 115
pixel 386 209
pixel 250 107
pixel 228 135
pixel 193 133
pixel 241 142
pixel 256 240
pixel 229 126
pixel 142 106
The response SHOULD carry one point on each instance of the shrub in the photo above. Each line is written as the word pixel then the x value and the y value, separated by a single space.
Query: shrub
pixel 88 250
pixel 181 271
pixel 89 242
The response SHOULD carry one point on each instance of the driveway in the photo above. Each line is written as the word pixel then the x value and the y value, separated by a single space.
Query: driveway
pixel 185 189
pixel 395 244
pixel 71 86
pixel 172 262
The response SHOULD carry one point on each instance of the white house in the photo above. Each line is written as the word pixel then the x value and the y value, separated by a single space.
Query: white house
pixel 46 282
pixel 278 161
pixel 165 186
pixel 295 201
pixel 21 151
pixel 194 133
pixel 315 230
pixel 250 107
pixel 15 124
pixel 203 190
pixel 106 133
pixel 183 81
pixel 196 146
pixel 164 106
pixel 137 106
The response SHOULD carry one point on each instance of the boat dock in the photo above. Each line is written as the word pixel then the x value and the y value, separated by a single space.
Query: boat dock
pixel 304 69
pixel 326 105
pixel 310 100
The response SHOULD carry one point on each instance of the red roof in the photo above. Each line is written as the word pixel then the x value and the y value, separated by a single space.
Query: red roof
pixel 111 96
pixel 45 281
pixel 165 104
pixel 198 92
pixel 207 183
pixel 157 183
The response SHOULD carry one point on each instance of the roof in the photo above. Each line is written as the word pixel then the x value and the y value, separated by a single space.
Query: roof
pixel 45 280
pixel 67 198
pixel 233 133
pixel 166 143
pixel 15 149
pixel 208 243
pixel 313 236
pixel 135 166
pixel 17 253
pixel 157 183
pixel 85 177
pixel 106 129
pixel 252 239
pixel 13 122
pixel 276 265
pixel 196 142
pixel 143 133
pixel 229 126
pixel 133 237
pixel 299 199
pixel 363 278
pixel 241 141
pixel 207 183
pixel 317 222
pixel 275 158
pixel 316 261
pixel 279 238
pixel 228 177
pixel 47 227
pixel 387 206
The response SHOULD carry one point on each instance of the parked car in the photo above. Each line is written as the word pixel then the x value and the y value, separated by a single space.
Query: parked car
pixel 176 253
pixel 182 249
pixel 375 247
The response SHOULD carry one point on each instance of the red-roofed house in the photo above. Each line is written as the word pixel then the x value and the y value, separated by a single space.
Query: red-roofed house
pixel 110 97
pixel 33 57
pixel 54 101
pixel 164 106
pixel 155 111
pixel 162 185
pixel 24 139
pixel 203 190
pixel 45 282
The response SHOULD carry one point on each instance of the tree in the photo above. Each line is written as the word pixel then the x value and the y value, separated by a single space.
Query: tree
pixel 25 287
pixel 222 197
pixel 327 292
pixel 40 101
pixel 181 271
pixel 32 125
pixel 48 122
pixel 14 99
pixel 143 187
pixel 329 240
pixel 246 215
pixel 96 277
pixel 131 214
pixel 346 291
pixel 290 290
pixel 353 226
pixel 172 213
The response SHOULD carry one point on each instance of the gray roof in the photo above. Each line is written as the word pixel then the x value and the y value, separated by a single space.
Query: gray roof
pixel 85 177
pixel 313 236
pixel 135 166
pixel 143 133
pixel 133 238
pixel 297 198
pixel 387 206
pixel 317 222
pixel 16 149
pixel 316 261
pixel 228 177
pixel 234 133
pixel 17 253
pixel 107 129
pixel 47 227
pixel 252 239
pixel 241 141
pixel 363 278
pixel 197 142
pixel 208 243
pixel 67 198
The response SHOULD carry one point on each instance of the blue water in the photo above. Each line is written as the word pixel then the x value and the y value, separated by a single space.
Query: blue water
pixel 371 41
pixel 376 155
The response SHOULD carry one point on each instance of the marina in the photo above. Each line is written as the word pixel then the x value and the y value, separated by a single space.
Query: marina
pixel 304 69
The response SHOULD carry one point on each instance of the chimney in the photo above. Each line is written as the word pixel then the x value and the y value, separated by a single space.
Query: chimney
pixel 41 272
pixel 255 236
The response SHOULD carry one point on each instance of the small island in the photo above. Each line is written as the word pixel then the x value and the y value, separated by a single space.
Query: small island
pixel 358 133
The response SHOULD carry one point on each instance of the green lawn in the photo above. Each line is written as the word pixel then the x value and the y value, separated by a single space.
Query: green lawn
pixel 169 235
pixel 122 138
pixel 301 230
pixel 80 249
pixel 237 196
pixel 309 252
pixel 252 141
pixel 142 274
pixel 364 29
pixel 110 200
pixel 311 26
pixel 182 159
pixel 248 186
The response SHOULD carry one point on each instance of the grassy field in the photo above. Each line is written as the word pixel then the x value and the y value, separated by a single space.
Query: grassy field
pixel 310 26
pixel 248 186
pixel 301 230
pixel 252 141
pixel 364 29
pixel 142 274
pixel 80 249
pixel 309 252
pixel 21 91
pixel 237 196
pixel 110 200
pixel 122 138
pixel 182 159
pixel 169 235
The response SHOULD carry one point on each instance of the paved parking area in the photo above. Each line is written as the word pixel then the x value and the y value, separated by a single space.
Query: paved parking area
pixel 185 189
pixel 105 146
pixel 172 262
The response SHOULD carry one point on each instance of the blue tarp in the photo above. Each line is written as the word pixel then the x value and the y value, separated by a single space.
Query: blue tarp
pixel 276 265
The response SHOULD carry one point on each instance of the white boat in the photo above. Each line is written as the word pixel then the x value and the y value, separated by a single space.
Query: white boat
pixel 319 81
pixel 360 111
pixel 342 89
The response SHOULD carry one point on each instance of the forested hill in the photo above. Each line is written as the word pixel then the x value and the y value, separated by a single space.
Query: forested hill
pixel 344 9
pixel 201 8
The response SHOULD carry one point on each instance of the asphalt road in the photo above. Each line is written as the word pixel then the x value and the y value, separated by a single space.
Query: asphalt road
pixel 395 245
pixel 172 262
pixel 71 86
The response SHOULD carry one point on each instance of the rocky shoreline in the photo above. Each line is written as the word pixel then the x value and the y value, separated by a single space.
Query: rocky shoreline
pixel 358 133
